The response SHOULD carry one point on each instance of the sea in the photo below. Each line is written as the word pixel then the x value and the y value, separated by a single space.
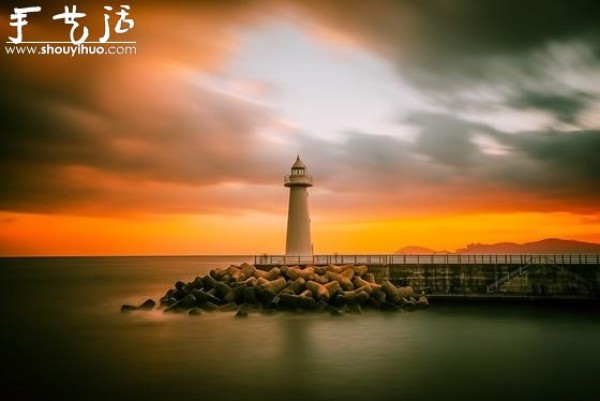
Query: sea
pixel 64 338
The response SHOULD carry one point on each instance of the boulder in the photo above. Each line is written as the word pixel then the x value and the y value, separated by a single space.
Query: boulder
pixel 209 306
pixel 344 282
pixel 209 282
pixel 128 308
pixel 246 271
pixel 241 314
pixel 235 294
pixel 198 283
pixel 423 302
pixel 360 283
pixel 273 274
pixel 360 270
pixel 391 292
pixel 334 268
pixel 249 295
pixel 321 279
pixel 296 301
pixel 319 291
pixel 168 302
pixel 222 289
pixel 260 274
pixel 370 277
pixel 320 270
pixel 148 304
pixel 228 307
pixel 274 286
pixel 234 273
pixel 333 287
pixel 189 301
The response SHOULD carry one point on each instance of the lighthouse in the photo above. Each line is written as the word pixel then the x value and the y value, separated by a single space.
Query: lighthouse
pixel 298 242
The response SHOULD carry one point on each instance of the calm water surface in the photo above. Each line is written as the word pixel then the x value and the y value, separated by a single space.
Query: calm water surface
pixel 63 335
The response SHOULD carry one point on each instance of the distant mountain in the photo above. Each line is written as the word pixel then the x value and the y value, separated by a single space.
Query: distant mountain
pixel 547 246
pixel 418 250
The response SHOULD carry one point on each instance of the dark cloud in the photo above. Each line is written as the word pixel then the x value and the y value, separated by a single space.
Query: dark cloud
pixel 142 140
pixel 565 108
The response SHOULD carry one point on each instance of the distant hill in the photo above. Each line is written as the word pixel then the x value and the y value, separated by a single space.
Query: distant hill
pixel 545 246
pixel 549 245
pixel 418 250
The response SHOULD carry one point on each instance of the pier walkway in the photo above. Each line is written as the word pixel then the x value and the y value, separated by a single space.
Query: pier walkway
pixel 461 259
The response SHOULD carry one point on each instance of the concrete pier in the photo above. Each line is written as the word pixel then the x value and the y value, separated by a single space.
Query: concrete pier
pixel 472 276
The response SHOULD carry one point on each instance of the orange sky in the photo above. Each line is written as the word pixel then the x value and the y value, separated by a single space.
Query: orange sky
pixel 182 148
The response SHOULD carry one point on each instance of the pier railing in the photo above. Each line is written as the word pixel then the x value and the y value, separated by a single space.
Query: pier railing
pixel 557 259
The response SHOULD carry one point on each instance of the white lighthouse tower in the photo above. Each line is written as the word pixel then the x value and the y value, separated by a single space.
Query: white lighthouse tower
pixel 298 242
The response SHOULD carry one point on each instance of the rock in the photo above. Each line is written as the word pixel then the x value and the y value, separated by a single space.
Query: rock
pixel 195 312
pixel 408 304
pixel 168 302
pixel 209 306
pixel 297 286
pixel 391 292
pixel 273 274
pixel 241 314
pixel 209 282
pixel 249 295
pixel 321 279
pixel 187 302
pixel 234 273
pixel 296 302
pixel 319 291
pixel 334 268
pixel 236 294
pixel 128 308
pixel 407 292
pixel 169 294
pixel 360 283
pixel 361 270
pixel 222 289
pixel 379 295
pixel 348 272
pixel 423 302
pixel 274 286
pixel 179 285
pixel 250 281
pixel 148 304
pixel 247 271
pixel 198 283
pixel 320 270
pixel 370 277
pixel 344 282
pixel 229 307
pixel 260 274
pixel 295 273
pixel 333 287
pixel 355 297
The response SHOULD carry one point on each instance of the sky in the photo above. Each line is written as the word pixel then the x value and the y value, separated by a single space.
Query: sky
pixel 436 123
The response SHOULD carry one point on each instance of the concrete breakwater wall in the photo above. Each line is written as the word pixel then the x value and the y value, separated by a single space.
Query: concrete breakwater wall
pixel 545 280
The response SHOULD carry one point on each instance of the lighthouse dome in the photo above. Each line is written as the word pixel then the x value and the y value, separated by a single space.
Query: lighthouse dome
pixel 298 163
